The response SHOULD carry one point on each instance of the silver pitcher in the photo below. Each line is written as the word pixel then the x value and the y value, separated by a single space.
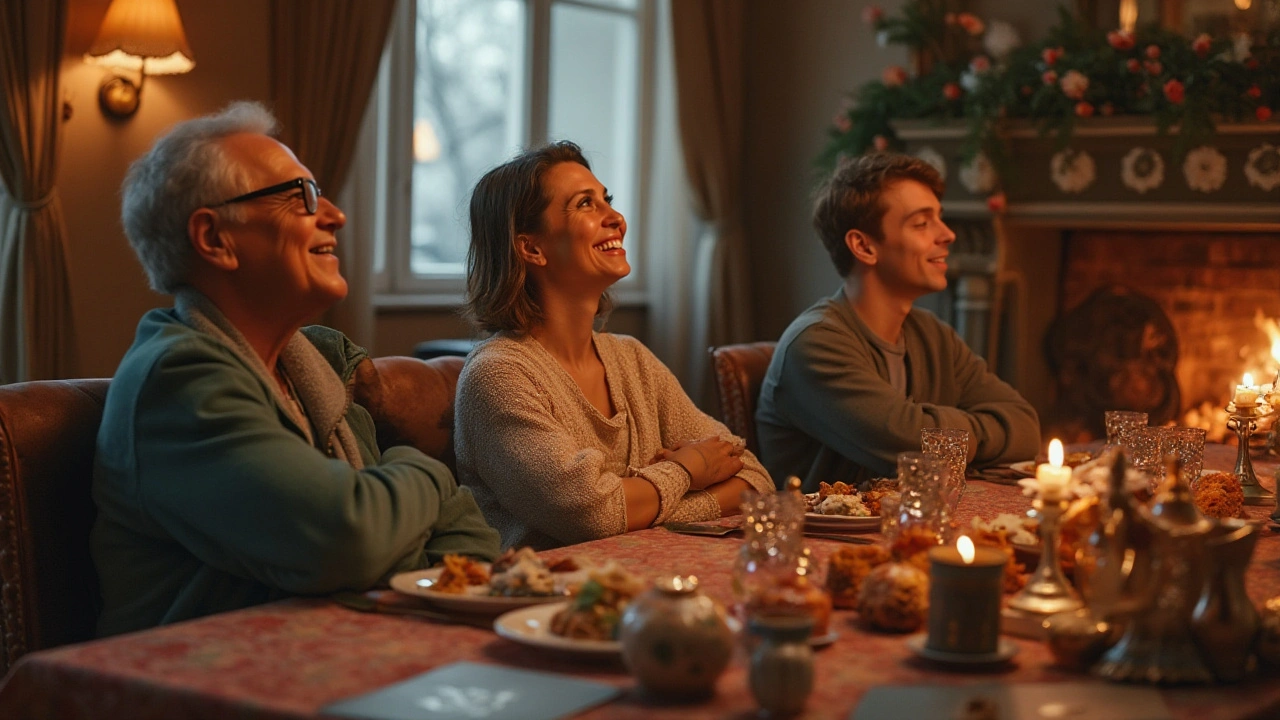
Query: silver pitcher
pixel 1224 621
pixel 1158 645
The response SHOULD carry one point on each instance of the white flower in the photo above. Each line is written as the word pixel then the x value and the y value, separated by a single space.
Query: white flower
pixel 1205 169
pixel 1263 167
pixel 1073 171
pixel 1241 47
pixel 934 158
pixel 1142 169
pixel 977 176
pixel 882 38
pixel 1074 84
pixel 969 80
pixel 1001 39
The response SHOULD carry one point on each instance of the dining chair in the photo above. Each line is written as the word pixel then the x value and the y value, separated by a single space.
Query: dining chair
pixel 49 593
pixel 739 370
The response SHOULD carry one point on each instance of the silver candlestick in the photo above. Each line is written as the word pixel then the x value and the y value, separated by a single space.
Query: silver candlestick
pixel 1243 420
pixel 1048 591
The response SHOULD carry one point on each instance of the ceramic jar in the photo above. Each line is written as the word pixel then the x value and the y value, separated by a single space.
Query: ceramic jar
pixel 675 640
pixel 781 674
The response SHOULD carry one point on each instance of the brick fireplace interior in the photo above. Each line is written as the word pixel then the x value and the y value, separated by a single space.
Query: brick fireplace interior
pixel 1137 311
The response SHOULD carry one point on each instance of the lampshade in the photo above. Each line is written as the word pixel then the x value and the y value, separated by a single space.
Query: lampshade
pixel 144 36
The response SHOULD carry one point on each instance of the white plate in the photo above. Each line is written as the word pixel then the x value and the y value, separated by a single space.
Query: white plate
pixel 419 584
pixel 532 626
pixel 1026 467
pixel 841 523
pixel 1005 650
pixel 821 641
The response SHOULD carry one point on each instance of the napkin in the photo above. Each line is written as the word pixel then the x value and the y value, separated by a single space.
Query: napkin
pixel 474 691
pixel 1025 701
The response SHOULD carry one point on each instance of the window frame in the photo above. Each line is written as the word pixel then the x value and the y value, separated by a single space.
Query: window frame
pixel 387 135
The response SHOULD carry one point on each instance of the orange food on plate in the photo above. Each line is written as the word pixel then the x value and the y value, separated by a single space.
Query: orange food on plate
pixel 912 546
pixel 460 572
pixel 1219 495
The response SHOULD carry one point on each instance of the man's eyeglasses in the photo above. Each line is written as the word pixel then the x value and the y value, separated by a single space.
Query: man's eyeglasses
pixel 310 193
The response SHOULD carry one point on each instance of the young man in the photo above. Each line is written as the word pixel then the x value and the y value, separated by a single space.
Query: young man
pixel 856 376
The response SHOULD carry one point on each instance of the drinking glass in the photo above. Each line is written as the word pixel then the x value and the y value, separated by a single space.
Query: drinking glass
pixel 951 446
pixel 920 502
pixel 1122 422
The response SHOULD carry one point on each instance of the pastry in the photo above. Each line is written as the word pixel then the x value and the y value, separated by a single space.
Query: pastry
pixel 894 596
pixel 847 568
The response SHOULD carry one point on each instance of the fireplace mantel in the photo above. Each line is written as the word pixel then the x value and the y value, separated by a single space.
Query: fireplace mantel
pixel 1014 302
pixel 1103 198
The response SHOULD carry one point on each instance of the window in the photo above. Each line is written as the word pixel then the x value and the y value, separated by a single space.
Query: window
pixel 464 85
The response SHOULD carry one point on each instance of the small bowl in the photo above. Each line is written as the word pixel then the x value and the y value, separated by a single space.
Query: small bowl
pixel 1077 639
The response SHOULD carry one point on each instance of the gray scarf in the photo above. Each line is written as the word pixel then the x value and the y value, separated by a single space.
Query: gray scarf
pixel 321 393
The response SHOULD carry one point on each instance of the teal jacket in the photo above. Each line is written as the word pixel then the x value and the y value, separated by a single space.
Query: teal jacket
pixel 211 499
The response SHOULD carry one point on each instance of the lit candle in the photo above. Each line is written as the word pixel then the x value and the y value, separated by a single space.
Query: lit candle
pixel 1053 476
pixel 965 584
pixel 1246 394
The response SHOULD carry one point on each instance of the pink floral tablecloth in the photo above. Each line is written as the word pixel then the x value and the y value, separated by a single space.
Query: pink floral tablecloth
pixel 290 658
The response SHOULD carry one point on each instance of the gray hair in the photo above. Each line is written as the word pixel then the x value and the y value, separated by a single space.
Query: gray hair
pixel 185 170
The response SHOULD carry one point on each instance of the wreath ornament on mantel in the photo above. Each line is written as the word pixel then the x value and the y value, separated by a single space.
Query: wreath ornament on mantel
pixel 976 71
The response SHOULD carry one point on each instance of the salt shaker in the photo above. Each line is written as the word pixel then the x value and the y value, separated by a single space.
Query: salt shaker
pixel 781 674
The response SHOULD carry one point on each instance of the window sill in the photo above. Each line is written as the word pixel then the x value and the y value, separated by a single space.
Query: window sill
pixel 625 298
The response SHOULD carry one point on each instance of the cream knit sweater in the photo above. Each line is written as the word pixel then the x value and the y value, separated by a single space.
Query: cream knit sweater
pixel 546 466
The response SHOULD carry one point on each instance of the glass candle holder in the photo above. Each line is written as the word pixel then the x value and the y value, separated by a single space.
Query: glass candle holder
pixel 920 502
pixel 1120 423
pixel 1188 445
pixel 951 447
pixel 1142 447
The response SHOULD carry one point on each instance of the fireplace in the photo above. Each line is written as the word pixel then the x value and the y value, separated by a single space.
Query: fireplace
pixel 1218 293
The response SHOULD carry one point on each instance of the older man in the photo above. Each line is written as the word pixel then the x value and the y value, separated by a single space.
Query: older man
pixel 855 377
pixel 232 467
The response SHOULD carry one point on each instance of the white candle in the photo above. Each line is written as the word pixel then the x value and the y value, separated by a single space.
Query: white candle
pixel 1053 476
pixel 1246 394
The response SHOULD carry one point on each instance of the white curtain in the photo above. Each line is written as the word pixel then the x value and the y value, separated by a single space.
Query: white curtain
pixel 673 228
pixel 708 37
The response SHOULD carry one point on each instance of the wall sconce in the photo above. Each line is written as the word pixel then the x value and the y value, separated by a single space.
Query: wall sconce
pixel 142 36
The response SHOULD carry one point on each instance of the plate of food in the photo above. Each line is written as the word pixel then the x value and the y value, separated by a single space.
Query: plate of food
pixel 532 626
pixel 841 507
pixel 517 579
pixel 587 623
pixel 1026 468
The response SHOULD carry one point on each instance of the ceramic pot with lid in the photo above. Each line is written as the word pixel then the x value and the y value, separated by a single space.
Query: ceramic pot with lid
pixel 675 640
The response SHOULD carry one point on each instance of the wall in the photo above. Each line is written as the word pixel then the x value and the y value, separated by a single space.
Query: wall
pixel 109 291
pixel 802 58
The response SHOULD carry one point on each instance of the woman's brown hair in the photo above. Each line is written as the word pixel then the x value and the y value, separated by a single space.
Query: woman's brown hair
pixel 506 202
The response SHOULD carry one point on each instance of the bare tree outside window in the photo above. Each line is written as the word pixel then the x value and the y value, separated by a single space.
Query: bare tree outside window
pixel 467 95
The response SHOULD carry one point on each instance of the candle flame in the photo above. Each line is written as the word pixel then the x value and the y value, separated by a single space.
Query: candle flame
pixel 1056 453
pixel 965 546
pixel 1248 380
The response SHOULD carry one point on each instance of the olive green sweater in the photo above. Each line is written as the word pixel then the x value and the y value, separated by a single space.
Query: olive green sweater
pixel 827 411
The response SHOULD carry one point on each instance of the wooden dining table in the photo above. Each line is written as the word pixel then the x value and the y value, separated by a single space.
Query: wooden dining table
pixel 289 659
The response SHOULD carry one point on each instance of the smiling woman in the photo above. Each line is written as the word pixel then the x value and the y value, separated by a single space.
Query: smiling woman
pixel 566 434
